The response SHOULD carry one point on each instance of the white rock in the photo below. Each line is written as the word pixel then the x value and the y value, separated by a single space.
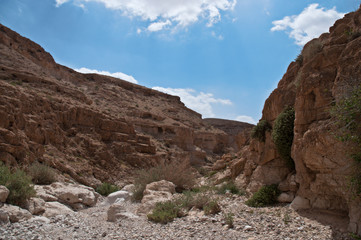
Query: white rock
pixel 300 203
pixel 247 228
pixel 40 219
pixel 286 197
pixel 4 193
pixel 56 208
pixel 15 213
pixel 118 211
pixel 112 198
pixel 36 206
pixel 129 188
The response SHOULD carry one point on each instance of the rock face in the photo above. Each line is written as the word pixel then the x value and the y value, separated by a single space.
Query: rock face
pixel 4 193
pixel 329 70
pixel 95 128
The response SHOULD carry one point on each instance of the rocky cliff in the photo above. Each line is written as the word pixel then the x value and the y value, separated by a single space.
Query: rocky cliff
pixel 90 127
pixel 327 70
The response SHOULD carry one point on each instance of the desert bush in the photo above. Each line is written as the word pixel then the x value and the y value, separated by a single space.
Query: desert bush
pixel 179 173
pixel 259 131
pixel 347 115
pixel 211 207
pixel 299 59
pixel 282 134
pixel 41 174
pixel 266 195
pixel 164 212
pixel 228 219
pixel 229 187
pixel 19 185
pixel 106 188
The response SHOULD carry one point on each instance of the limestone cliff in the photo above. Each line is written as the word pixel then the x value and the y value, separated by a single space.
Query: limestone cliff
pixel 327 70
pixel 90 127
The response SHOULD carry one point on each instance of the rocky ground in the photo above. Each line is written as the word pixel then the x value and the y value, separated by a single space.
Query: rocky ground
pixel 279 222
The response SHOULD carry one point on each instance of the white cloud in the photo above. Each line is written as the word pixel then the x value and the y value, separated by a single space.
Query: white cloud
pixel 157 26
pixel 178 13
pixel 219 37
pixel 247 119
pixel 120 75
pixel 60 2
pixel 309 24
pixel 199 102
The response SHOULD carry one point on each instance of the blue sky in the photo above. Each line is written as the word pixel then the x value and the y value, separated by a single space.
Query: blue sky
pixel 222 57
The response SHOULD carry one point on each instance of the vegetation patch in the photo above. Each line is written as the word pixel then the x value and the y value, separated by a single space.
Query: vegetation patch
pixel 282 134
pixel 259 131
pixel 266 195
pixel 228 219
pixel 106 188
pixel 179 173
pixel 231 188
pixel 41 174
pixel 347 113
pixel 164 212
pixel 19 184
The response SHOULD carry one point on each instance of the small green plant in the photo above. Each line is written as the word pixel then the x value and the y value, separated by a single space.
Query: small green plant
pixel 354 236
pixel 265 196
pixel 299 59
pixel 106 188
pixel 259 131
pixel 228 219
pixel 41 174
pixel 19 184
pixel 164 212
pixel 211 207
pixel 347 115
pixel 282 134
pixel 286 218
pixel 229 187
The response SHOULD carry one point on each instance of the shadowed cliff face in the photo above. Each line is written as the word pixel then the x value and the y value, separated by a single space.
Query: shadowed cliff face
pixel 330 68
pixel 90 127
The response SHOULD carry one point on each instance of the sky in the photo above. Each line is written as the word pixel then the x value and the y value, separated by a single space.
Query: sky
pixel 222 57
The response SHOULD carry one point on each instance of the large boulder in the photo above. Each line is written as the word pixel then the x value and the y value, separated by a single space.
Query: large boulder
pixel 117 196
pixel 56 208
pixel 75 195
pixel 155 192
pixel 15 213
pixel 4 193
pixel 118 211
pixel 36 206
pixel 300 203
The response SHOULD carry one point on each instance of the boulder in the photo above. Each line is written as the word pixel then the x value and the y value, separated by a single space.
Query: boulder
pixel 286 197
pixel 118 211
pixel 4 193
pixel 155 192
pixel 39 219
pixel 36 206
pixel 4 217
pixel 113 197
pixel 300 203
pixel 15 213
pixel 56 208
pixel 75 195
pixel 129 188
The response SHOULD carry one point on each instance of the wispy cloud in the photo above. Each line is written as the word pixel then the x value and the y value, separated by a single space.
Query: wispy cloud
pixel 199 102
pixel 309 24
pixel 247 119
pixel 119 75
pixel 161 13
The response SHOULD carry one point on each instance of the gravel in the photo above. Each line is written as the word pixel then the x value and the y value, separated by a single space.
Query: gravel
pixel 279 222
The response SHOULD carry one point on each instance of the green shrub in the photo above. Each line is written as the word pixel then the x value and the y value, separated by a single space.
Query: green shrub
pixel 282 134
pixel 347 113
pixel 41 174
pixel 106 188
pixel 19 185
pixel 164 212
pixel 179 173
pixel 299 59
pixel 228 219
pixel 266 195
pixel 231 187
pixel 259 131
pixel 211 207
